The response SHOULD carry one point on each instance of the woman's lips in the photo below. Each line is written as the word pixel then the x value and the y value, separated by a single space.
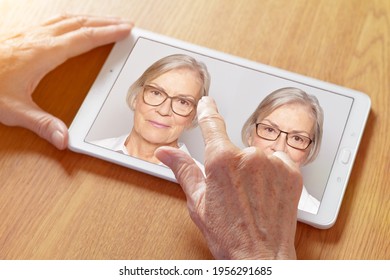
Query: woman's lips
pixel 158 125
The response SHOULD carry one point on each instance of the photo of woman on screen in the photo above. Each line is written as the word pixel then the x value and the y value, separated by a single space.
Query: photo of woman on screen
pixel 164 100
pixel 291 121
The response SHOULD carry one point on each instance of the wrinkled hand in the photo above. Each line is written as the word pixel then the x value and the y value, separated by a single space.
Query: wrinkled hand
pixel 27 57
pixel 246 206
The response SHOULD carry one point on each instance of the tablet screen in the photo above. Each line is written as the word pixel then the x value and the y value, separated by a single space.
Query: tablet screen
pixel 237 97
pixel 238 86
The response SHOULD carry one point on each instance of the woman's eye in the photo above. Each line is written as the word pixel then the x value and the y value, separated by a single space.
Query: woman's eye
pixel 184 102
pixel 156 93
pixel 297 138
pixel 269 129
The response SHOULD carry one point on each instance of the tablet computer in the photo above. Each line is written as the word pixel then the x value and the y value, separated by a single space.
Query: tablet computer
pixel 238 86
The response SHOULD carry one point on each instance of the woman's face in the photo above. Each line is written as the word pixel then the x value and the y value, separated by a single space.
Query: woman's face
pixel 295 118
pixel 159 124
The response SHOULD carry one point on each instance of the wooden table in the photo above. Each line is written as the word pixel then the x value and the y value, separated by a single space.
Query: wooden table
pixel 62 205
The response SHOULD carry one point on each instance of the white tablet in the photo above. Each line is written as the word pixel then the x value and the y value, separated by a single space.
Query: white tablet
pixel 238 86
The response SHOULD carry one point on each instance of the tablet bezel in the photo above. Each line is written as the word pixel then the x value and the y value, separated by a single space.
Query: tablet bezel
pixel 343 161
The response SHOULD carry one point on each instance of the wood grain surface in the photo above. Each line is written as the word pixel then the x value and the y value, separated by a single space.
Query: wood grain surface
pixel 62 205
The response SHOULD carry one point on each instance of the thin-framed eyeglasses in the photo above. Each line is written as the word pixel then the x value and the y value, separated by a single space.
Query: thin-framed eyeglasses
pixel 181 105
pixel 294 140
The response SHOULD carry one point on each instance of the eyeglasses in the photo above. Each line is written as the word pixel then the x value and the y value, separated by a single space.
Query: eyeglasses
pixel 294 140
pixel 180 105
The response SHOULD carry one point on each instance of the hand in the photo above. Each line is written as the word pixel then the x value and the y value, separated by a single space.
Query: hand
pixel 246 206
pixel 27 57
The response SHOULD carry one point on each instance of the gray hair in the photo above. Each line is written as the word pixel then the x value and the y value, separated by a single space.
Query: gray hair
pixel 165 64
pixel 282 97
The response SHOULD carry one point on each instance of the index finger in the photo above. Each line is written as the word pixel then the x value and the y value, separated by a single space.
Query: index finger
pixel 211 124
pixel 67 23
pixel 87 38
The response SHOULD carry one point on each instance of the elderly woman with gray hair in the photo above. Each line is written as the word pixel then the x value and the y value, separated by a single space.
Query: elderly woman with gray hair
pixel 164 100
pixel 290 121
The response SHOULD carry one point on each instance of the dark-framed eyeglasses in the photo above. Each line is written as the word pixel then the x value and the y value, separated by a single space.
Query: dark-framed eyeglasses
pixel 294 140
pixel 180 105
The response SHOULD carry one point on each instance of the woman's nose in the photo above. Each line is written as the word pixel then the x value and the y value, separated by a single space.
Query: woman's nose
pixel 164 108
pixel 280 144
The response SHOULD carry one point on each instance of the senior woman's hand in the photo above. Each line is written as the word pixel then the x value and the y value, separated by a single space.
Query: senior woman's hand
pixel 246 206
pixel 27 57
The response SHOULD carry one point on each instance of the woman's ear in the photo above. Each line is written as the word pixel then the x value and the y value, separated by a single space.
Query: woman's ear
pixel 134 103
pixel 249 138
pixel 308 150
pixel 135 100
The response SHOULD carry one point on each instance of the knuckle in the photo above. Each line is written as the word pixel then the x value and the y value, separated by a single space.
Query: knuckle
pixel 64 16
pixel 210 118
pixel 81 20
pixel 88 32
pixel 214 128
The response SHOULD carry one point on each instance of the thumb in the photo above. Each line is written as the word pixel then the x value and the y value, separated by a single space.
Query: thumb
pixel 31 116
pixel 186 171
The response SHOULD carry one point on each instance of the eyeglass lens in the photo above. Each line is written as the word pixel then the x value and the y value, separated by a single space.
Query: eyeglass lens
pixel 271 133
pixel 180 105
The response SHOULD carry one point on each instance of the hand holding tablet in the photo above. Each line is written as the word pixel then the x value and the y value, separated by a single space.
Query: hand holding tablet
pixel 237 86
pixel 27 57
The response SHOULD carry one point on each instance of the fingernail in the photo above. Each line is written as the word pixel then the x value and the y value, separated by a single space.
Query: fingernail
pixel 206 107
pixel 206 99
pixel 58 139
pixel 127 25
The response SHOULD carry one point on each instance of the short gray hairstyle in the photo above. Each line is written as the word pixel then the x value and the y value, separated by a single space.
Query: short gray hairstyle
pixel 283 96
pixel 165 64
